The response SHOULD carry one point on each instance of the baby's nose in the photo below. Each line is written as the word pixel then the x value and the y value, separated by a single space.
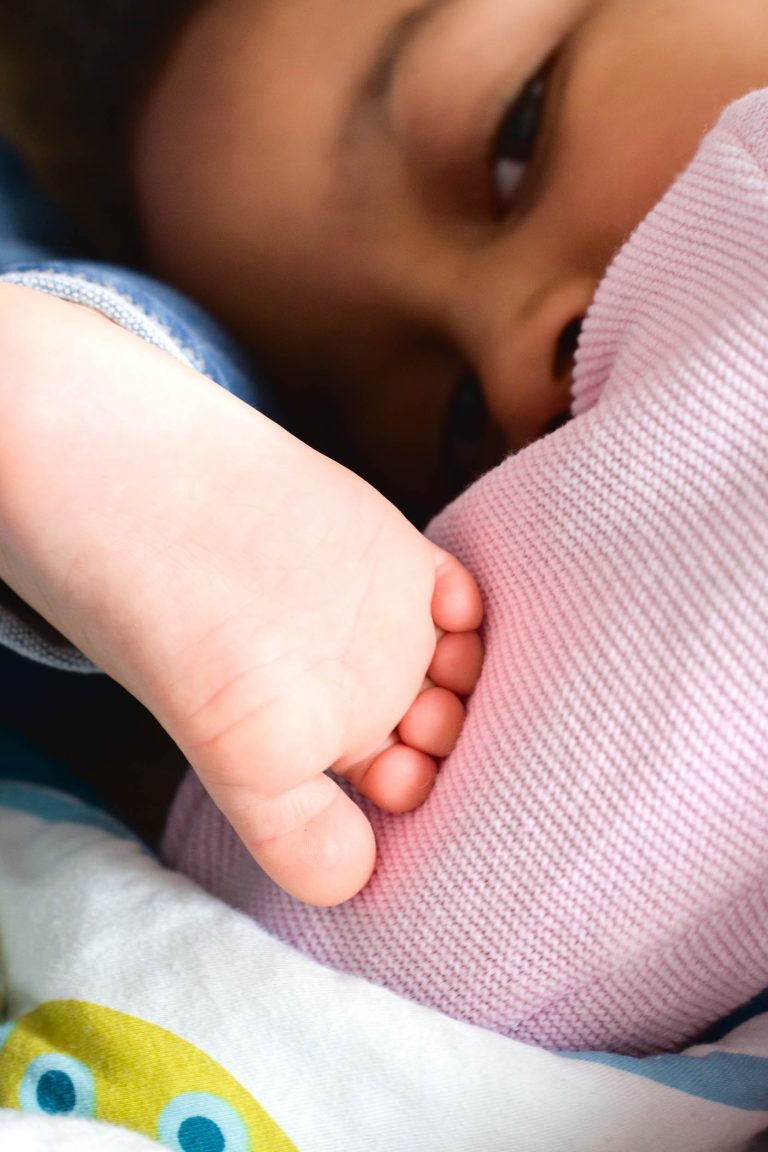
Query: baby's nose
pixel 565 349
pixel 528 366
pixel 563 364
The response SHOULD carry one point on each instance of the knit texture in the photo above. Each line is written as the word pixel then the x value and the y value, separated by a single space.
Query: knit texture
pixel 592 868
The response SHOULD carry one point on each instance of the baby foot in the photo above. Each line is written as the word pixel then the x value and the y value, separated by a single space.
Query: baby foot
pixel 273 611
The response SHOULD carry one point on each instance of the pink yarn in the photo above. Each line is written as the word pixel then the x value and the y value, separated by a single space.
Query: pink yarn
pixel 592 869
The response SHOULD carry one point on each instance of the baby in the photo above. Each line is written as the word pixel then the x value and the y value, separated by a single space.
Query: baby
pixel 273 611
pixel 406 211
pixel 590 870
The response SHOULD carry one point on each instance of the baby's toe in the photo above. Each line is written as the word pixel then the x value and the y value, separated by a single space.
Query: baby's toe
pixel 457 662
pixel 433 722
pixel 456 602
pixel 314 841
pixel 399 779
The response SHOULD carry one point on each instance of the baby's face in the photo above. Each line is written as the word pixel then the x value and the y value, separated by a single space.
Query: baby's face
pixel 405 205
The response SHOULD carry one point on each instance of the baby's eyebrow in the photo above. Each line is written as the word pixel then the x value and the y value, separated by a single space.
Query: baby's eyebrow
pixel 378 79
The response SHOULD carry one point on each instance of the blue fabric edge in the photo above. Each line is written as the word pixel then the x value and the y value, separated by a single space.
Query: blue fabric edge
pixel 59 808
pixel 37 785
pixel 730 1078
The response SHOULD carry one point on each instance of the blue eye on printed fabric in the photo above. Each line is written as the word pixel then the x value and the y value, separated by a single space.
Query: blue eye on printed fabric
pixel 202 1122
pixel 57 1085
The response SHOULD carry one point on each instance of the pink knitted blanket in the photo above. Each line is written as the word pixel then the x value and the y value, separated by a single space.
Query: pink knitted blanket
pixel 592 869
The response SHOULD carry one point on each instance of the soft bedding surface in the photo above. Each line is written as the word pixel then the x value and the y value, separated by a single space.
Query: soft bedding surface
pixel 133 998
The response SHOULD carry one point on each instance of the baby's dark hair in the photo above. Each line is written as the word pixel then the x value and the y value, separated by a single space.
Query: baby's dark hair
pixel 72 73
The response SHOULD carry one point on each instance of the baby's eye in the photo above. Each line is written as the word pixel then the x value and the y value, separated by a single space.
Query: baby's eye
pixel 515 141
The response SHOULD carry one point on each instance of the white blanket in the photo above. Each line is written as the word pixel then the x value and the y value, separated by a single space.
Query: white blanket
pixel 134 998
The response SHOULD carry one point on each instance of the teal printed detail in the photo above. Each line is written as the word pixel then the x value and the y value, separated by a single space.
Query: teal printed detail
pixel 58 1085
pixel 202 1122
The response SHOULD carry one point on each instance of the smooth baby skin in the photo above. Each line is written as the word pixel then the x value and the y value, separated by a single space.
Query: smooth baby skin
pixel 416 199
pixel 273 611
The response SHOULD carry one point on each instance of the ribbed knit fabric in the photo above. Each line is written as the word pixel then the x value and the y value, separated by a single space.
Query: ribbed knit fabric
pixel 592 868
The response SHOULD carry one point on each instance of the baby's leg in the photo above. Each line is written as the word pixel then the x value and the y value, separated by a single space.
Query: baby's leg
pixel 274 612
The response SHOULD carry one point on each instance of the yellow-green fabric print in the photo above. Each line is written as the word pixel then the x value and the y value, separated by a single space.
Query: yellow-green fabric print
pixel 80 1059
